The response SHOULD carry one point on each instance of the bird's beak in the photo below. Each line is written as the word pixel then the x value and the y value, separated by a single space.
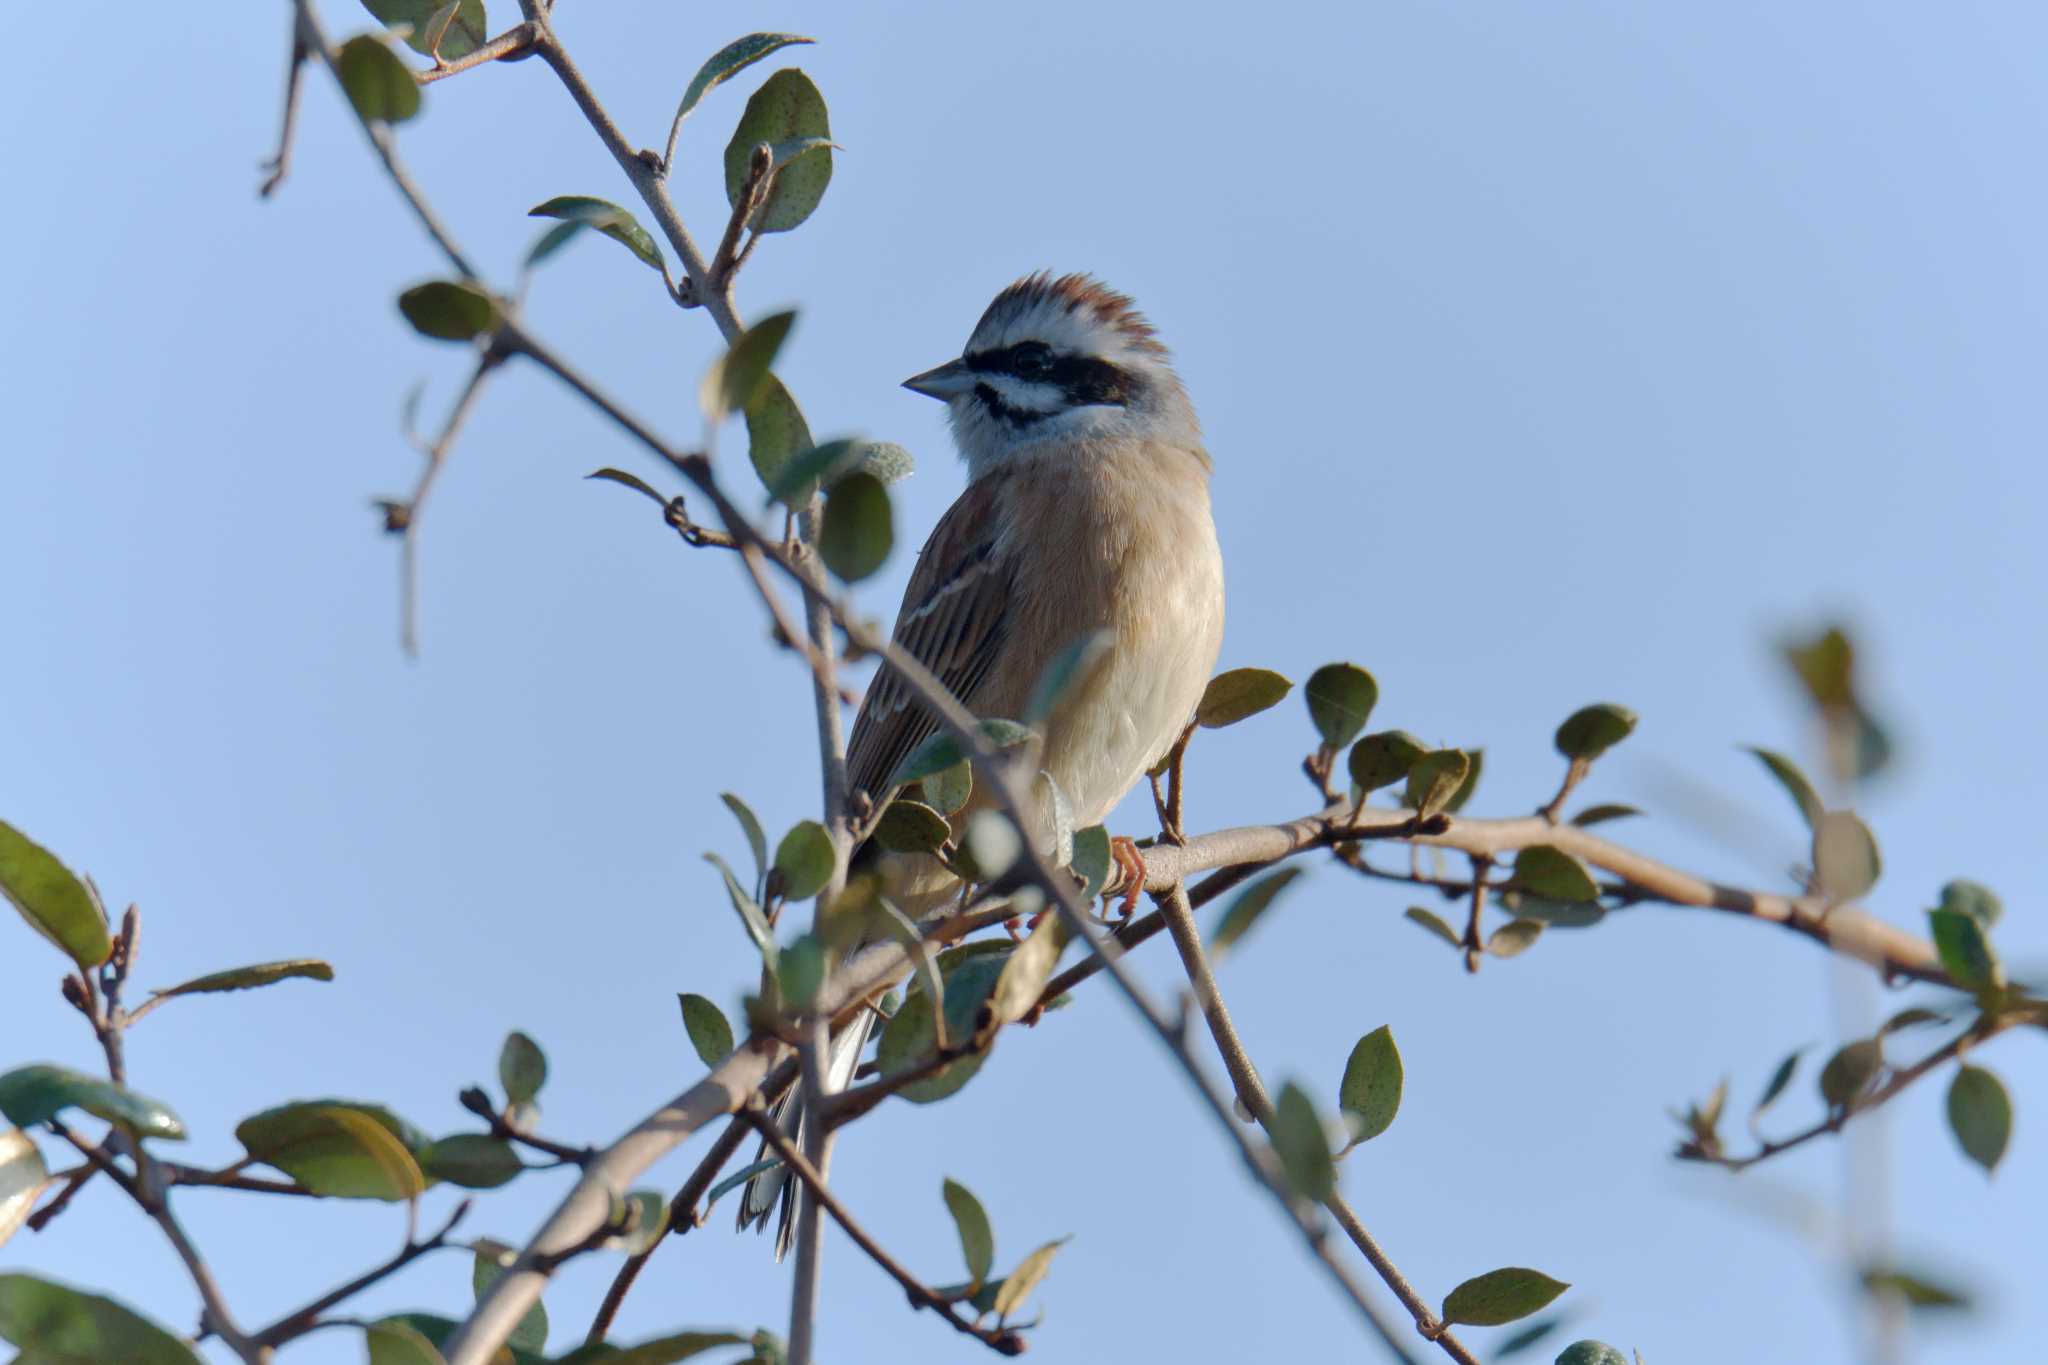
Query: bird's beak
pixel 948 381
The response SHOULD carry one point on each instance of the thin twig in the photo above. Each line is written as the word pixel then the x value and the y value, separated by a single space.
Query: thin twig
pixel 803 1295
pixel 1475 947
pixel 280 165
pixel 404 518
pixel 298 1323
pixel 516 41
pixel 1002 1340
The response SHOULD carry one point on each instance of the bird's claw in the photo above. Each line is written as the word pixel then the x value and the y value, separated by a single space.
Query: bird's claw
pixel 1131 863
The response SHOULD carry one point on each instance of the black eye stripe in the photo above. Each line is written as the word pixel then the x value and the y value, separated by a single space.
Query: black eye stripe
pixel 1086 381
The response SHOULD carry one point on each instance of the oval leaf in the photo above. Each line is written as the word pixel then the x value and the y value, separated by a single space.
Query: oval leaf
pixel 522 1068
pixel 53 901
pixel 465 33
pixel 1780 1078
pixel 1980 1115
pixel 1239 695
pixel 1601 814
pixel 750 825
pixel 859 528
pixel 1435 924
pixel 1475 764
pixel 1591 731
pixel 1028 969
pixel 334 1150
pixel 1794 782
pixel 1383 759
pixel 776 431
pixel 787 108
pixel 805 860
pixel 946 792
pixel 1591 1353
pixel 247 978
pixel 396 1342
pixel 449 310
pixel 1850 1071
pixel 729 61
pixel 1966 954
pixel 1435 779
pixel 1248 905
pixel 912 827
pixel 377 83
pixel 1513 938
pixel 1091 862
pixel 751 916
pixel 1017 1285
pixel 709 1031
pixel 1501 1296
pixel 31 1095
pixel 475 1161
pixel 941 751
pixel 977 1239
pixel 1845 858
pixel 1554 875
pixel 1371 1093
pixel 601 215
pixel 908 1038
pixel 1302 1145
pixel 1980 903
pixel 53 1324
pixel 1340 700
pixel 734 381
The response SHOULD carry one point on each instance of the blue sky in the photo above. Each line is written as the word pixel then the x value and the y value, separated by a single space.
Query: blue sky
pixel 1547 355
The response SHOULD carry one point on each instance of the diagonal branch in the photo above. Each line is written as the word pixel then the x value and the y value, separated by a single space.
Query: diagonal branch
pixel 298 1323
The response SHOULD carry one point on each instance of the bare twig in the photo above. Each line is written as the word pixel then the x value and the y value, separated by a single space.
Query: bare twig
pixel 404 517
pixel 513 43
pixel 1475 946
pixel 1002 1340
pixel 298 1323
pixel 280 165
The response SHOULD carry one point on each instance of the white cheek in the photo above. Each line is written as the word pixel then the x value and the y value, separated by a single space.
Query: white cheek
pixel 1024 395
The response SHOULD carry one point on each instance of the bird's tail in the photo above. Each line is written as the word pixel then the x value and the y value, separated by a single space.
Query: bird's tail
pixel 773 1188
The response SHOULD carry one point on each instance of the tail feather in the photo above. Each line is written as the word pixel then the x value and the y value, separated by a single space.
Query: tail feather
pixel 773 1189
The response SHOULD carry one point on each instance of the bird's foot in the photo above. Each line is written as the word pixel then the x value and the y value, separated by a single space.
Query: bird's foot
pixel 1131 864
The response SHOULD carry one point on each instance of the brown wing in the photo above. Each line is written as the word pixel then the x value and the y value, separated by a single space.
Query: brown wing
pixel 954 620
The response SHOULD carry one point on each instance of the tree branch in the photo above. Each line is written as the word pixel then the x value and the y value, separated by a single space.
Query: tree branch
pixel 513 43
pixel 817 1154
pixel 280 165
pixel 1004 1341
pixel 304 1320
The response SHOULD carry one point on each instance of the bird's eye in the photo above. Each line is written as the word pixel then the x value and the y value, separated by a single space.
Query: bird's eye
pixel 1031 359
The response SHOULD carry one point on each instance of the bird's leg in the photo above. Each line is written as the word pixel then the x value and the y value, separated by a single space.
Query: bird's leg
pixel 1131 864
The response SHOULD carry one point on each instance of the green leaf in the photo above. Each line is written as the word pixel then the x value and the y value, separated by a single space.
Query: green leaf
pixel 1826 665
pixel 706 1024
pixel 30 1095
pixel 805 860
pixel 751 917
pixel 800 970
pixel 1591 731
pixel 334 1150
pixel 737 1179
pixel 1845 860
pixel 1556 914
pixel 1913 1290
pixel 977 1239
pixel 1302 1145
pixel 729 61
pixel 1381 760
pixel 1591 1353
pixel 786 108
pixel 1068 674
pixel 247 978
pixel 1514 937
pixel 911 827
pixel 1239 695
pixel 644 1216
pixel 1980 903
pixel 908 1039
pixel 1553 874
pixel 750 825
pixel 1435 924
pixel 1780 1078
pixel 801 475
pixel 1247 905
pixel 1340 700
pixel 449 310
pixel 1980 1115
pixel 1850 1072
pixel 1501 1296
pixel 1060 811
pixel 522 1068
pixel 734 380
pixel 1091 862
pixel 1371 1093
pixel 859 529
pixel 1601 814
pixel 600 215
pixel 1475 764
pixel 53 1324
pixel 1794 782
pixel 886 460
pixel 377 83
pixel 679 1346
pixel 465 34
pixel 397 1342
pixel 776 431
pixel 1016 1287
pixel 532 1332
pixel 53 901
pixel 941 751
pixel 1435 779
pixel 1027 970
pixel 475 1161
pixel 1966 954
pixel 946 792
pixel 22 1177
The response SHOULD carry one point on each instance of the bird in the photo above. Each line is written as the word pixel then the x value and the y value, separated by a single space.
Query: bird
pixel 1086 514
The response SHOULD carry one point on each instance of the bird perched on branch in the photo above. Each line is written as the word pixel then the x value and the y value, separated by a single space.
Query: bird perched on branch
pixel 1086 514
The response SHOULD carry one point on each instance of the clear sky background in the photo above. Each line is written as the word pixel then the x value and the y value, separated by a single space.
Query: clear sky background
pixel 1548 354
